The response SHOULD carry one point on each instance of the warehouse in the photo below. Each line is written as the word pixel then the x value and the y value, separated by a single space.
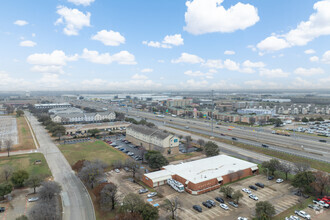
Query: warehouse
pixel 204 175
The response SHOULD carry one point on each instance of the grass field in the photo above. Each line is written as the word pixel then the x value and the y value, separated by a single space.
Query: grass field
pixel 25 162
pixel 91 151
pixel 24 135
pixel 280 155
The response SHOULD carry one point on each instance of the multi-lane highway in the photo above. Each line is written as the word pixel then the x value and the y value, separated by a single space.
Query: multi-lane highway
pixel 76 201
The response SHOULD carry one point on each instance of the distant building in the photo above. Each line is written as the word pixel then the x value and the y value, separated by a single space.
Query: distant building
pixel 256 111
pixel 84 128
pixel 70 110
pixel 52 105
pixel 204 175
pixel 83 117
pixel 152 139
pixel 276 100
pixel 178 102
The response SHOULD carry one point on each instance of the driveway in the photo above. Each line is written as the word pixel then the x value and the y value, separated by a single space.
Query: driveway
pixel 75 199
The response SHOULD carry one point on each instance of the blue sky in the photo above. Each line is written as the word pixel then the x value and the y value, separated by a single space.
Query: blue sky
pixel 164 45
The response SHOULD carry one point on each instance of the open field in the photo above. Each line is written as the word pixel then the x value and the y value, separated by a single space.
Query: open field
pixel 8 129
pixel 24 135
pixel 91 151
pixel 26 162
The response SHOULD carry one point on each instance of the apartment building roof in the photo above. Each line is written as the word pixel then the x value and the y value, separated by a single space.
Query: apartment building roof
pixel 149 131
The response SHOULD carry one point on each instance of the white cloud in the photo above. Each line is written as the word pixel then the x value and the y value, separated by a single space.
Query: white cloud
pixel 272 43
pixel 139 77
pixel 229 52
pixel 81 2
pixel 109 38
pixel 33 34
pixel 208 16
pixel 317 25
pixel 217 64
pixel 231 65
pixel 273 73
pixel 310 51
pixel 175 40
pixel 47 69
pixel 57 57
pixel 326 57
pixel 191 84
pixel 123 57
pixel 308 72
pixel 191 73
pixel 10 83
pixel 248 63
pixel 21 22
pixel 314 59
pixel 27 43
pixel 161 61
pixel 147 70
pixel 188 58
pixel 254 83
pixel 50 80
pixel 168 42
pixel 73 19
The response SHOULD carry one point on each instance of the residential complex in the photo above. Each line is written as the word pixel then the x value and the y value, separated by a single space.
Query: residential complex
pixel 52 105
pixel 83 117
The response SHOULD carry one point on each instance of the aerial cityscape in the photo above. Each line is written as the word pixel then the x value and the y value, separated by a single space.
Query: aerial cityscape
pixel 165 110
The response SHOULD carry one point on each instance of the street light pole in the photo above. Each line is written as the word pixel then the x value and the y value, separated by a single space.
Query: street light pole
pixel 212 112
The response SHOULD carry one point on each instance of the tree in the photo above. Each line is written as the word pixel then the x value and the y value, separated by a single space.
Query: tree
pixel 133 166
pixel 187 143
pixel 22 217
pixel 319 119
pixel 311 119
pixel 91 171
pixel 49 190
pixel 120 116
pixel 155 159
pixel 44 210
pixel 132 203
pixel 303 181
pixel 5 188
pixel 211 149
pixel 34 182
pixel 285 168
pixel 8 145
pixel 94 132
pixel 19 113
pixel 264 210
pixel 172 206
pixel 301 167
pixel 200 142
pixel 117 164
pixel 108 196
pixel 321 183
pixel 227 191
pixel 272 165
pixel 237 195
pixel 18 178
pixel 304 119
pixel 7 171
pixel 148 212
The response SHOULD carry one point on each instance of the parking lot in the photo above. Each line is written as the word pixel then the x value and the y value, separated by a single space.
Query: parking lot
pixel 8 129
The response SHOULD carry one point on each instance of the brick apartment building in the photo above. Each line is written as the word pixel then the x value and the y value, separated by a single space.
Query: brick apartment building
pixel 204 175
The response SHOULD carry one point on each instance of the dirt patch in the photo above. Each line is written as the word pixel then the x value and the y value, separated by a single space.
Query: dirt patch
pixel 24 135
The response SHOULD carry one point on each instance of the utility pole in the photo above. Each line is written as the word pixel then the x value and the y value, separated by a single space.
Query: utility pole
pixel 212 113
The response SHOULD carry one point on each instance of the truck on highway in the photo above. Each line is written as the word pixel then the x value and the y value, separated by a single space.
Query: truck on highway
pixel 177 186
pixel 160 116
pixel 281 132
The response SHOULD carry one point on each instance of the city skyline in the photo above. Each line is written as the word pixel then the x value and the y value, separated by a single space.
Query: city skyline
pixel 164 45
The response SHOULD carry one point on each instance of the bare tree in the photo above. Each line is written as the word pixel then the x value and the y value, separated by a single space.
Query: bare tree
pixel 132 202
pixel 285 168
pixel 133 166
pixel 34 181
pixel 8 145
pixel 118 164
pixel 7 171
pixel 44 211
pixel 200 142
pixel 108 197
pixel 49 190
pixel 91 172
pixel 172 205
pixel 301 167
pixel 322 182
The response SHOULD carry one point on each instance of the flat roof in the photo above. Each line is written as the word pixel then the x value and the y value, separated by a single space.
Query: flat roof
pixel 159 175
pixel 205 169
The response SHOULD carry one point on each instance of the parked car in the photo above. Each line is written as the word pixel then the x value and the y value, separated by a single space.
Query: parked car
pixel 260 185
pixel 197 208
pixel 117 170
pixel 33 199
pixel 2 209
pixel 152 194
pixel 292 217
pixel 321 203
pixel 234 139
pixel 211 202
pixel 144 190
pixel 206 204
pixel 254 197
pixel 242 218
pixel 233 204
pixel 314 207
pixel 224 206
pixel 253 187
pixel 279 181
pixel 270 177
pixel 265 145
pixel 219 199
pixel 246 190
pixel 302 214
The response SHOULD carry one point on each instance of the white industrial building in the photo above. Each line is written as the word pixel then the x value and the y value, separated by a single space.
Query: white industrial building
pixel 83 117
pixel 52 105
pixel 256 111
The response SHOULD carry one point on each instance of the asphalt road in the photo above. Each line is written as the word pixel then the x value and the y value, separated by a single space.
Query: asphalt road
pixel 75 199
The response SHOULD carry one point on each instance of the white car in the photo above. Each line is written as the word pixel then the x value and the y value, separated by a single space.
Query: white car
pixel 242 218
pixel 292 217
pixel 117 170
pixel 33 199
pixel 322 204
pixel 279 181
pixel 302 214
pixel 246 190
pixel 254 197
pixel 151 194
pixel 224 206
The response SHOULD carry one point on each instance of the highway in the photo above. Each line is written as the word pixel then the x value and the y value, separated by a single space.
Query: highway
pixel 76 201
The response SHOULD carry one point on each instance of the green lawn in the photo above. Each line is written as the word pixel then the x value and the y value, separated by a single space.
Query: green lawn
pixel 91 151
pixel 25 162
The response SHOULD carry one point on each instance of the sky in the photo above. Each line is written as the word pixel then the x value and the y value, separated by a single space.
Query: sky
pixel 168 45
